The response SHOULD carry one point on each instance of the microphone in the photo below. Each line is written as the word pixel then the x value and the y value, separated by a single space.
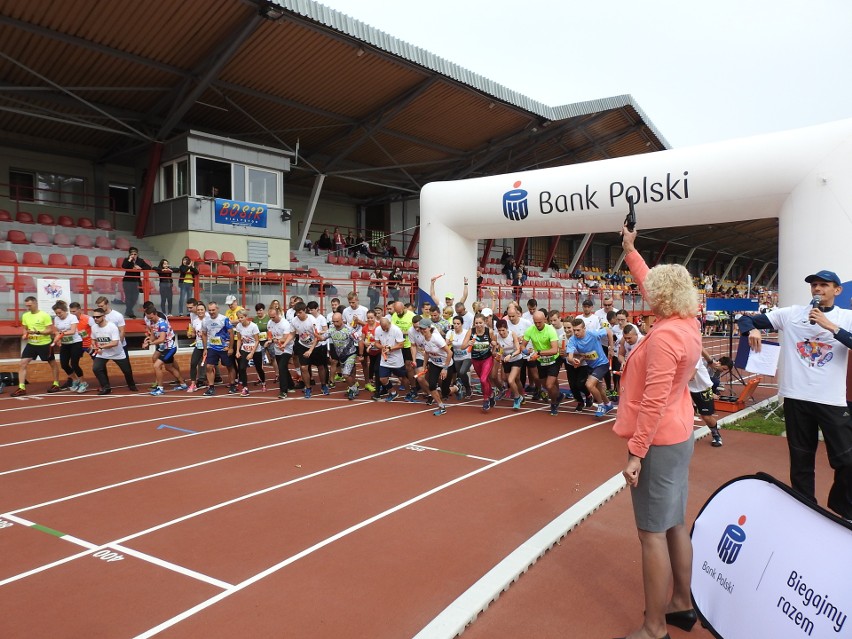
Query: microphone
pixel 815 304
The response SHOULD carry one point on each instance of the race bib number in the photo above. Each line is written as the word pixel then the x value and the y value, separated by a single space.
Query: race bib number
pixel 215 341
pixel 84 333
pixel 306 338
pixel 262 336
pixel 67 339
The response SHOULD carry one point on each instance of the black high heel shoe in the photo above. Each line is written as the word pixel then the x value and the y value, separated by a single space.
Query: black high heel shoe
pixel 683 619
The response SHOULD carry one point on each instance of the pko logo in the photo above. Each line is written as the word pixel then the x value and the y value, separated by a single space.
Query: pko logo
pixel 515 206
pixel 732 541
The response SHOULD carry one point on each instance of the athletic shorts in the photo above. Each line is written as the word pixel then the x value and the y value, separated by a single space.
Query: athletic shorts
pixel 347 366
pixel 319 357
pixel 599 372
pixel 546 370
pixel 703 401
pixel 385 372
pixel 406 354
pixel 433 375
pixel 168 356
pixel 215 358
pixel 44 352
pixel 508 366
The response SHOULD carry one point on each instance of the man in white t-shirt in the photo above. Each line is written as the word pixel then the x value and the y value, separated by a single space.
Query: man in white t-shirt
pixel 392 341
pixel 701 390
pixel 815 343
pixel 592 321
pixel 308 348
pixel 280 334
pixel 106 346
pixel 608 305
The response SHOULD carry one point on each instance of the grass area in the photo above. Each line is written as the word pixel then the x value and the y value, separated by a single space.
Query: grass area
pixel 761 421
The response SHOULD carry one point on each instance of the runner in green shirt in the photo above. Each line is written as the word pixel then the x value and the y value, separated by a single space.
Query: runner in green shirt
pixel 403 320
pixel 543 364
pixel 38 333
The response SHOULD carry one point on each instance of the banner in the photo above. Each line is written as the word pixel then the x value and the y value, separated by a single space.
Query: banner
pixel 768 564
pixel 49 291
pixel 240 213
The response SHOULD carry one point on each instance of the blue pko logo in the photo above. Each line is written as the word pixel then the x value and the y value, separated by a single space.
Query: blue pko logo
pixel 732 541
pixel 515 206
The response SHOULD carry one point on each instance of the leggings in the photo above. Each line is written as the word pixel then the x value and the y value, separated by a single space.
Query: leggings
pixel 373 369
pixel 243 364
pixel 483 371
pixel 462 367
pixel 99 366
pixel 197 371
pixel 69 358
pixel 285 382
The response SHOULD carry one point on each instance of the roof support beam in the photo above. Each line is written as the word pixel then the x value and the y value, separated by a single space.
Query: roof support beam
pixel 761 272
pixel 745 271
pixel 486 253
pixel 312 207
pixel 522 248
pixel 689 256
pixel 772 279
pixel 730 266
pixel 712 261
pixel 554 243
pixel 412 245
pixel 620 261
pixel 660 254
pixel 585 243
pixel 154 155
pixel 217 60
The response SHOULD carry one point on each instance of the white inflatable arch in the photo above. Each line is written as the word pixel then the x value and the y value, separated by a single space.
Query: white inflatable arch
pixel 803 177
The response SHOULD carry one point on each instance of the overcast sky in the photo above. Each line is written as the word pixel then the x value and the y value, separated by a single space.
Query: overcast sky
pixel 702 72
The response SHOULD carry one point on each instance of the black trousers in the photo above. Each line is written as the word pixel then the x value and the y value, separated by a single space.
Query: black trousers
pixel 285 381
pixel 99 365
pixel 804 420
pixel 131 296
pixel 577 380
pixel 196 366
pixel 69 358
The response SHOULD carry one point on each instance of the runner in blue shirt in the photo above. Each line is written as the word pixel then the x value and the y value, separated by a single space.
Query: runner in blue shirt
pixel 585 348
pixel 163 337
pixel 217 333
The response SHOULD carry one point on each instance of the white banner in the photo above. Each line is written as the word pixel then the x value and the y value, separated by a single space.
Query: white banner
pixel 50 290
pixel 766 564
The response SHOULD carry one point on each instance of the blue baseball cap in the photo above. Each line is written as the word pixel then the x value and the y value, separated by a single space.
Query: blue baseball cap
pixel 825 276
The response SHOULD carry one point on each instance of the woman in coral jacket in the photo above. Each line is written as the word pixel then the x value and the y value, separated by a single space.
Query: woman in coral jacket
pixel 655 415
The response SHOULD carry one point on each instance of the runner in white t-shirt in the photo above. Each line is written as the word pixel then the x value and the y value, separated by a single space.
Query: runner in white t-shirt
pixel 280 335
pixel 440 360
pixel 392 342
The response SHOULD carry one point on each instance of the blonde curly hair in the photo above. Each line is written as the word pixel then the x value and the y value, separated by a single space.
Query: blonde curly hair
pixel 669 291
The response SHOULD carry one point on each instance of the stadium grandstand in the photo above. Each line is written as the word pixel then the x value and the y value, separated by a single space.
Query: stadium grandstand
pixel 114 136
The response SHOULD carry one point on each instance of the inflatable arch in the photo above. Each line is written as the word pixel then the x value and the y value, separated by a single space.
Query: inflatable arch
pixel 803 177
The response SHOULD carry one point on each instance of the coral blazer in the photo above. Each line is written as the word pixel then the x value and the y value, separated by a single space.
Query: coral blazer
pixel 654 406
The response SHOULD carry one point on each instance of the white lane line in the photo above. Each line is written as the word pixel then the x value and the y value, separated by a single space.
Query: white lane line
pixel 343 533
pixel 452 452
pixel 224 585
pixel 170 439
pixel 216 459
pixel 77 415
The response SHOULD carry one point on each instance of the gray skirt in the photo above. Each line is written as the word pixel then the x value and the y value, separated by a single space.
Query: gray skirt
pixel 659 498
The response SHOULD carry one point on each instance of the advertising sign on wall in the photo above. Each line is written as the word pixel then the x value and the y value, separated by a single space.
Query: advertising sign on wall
pixel 50 290
pixel 768 564
pixel 240 213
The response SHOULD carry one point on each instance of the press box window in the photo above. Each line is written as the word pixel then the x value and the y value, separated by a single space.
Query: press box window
pixel 174 180
pixel 212 178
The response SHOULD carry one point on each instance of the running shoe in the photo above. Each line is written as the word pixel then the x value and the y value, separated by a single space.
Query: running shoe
pixel 325 390
pixel 153 386
pixel 516 403
pixel 608 408
pixel 132 388
pixel 601 411
pixel 391 396
pixel 157 392
pixel 543 396
pixel 460 392
pixel 350 394
pixel 492 401
pixel 74 385
pixel 370 388
pixel 579 407
pixel 411 396
pixel 56 388
pixel 105 391
pixel 82 387
pixel 430 400
pixel 307 392
pixel 244 392
pixel 181 387
pixel 554 409
pixel 717 439
pixel 375 397
pixel 69 383
pixel 442 410
pixel 486 405
pixel 210 391
pixel 19 391
pixel 192 388
pixel 282 395
pixel 233 390
pixel 502 394
pixel 217 380
pixel 339 378
pixel 589 402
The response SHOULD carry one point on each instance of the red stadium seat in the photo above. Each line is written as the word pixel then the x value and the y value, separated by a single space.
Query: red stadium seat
pixel 60 239
pixel 85 223
pixel 242 270
pixel 24 218
pixel 80 260
pixel 228 257
pixel 17 237
pixel 365 275
pixel 40 238
pixel 4 285
pixel 118 262
pixel 103 243
pixel 83 241
pixel 57 259
pixel 78 286
pixel 8 257
pixel 103 225
pixel 204 268
pixel 45 219
pixel 25 284
pixel 354 275
pixel 332 259
pixel 102 261
pixel 211 256
pixel 66 221
pixel 122 244
pixel 103 285
pixel 5 216
pixel 31 257
pixel 223 269
pixel 193 254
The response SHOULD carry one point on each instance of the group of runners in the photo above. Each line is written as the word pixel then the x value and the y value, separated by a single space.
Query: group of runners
pixel 516 357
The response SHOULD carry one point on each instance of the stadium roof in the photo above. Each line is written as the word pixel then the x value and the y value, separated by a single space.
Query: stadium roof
pixel 379 117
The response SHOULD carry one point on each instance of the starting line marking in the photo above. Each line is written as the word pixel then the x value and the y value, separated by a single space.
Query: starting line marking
pixel 105 553
pixel 183 430
pixel 420 448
